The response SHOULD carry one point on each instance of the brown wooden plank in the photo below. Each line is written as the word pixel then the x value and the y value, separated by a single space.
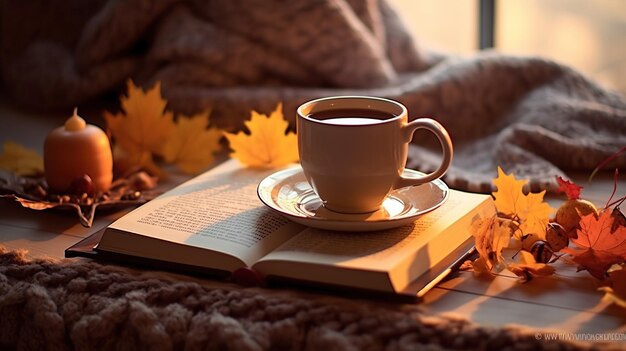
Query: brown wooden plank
pixel 497 312
pixel 38 243
pixel 577 293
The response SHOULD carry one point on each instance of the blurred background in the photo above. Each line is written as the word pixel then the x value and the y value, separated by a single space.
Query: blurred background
pixel 587 35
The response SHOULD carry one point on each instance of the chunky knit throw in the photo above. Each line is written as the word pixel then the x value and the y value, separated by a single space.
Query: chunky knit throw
pixel 531 116
pixel 80 304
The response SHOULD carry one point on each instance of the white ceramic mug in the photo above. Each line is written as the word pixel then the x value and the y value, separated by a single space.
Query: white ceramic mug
pixel 353 150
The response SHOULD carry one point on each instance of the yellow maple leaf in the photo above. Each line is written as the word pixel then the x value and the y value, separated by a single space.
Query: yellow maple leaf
pixel 268 145
pixel 143 124
pixel 535 216
pixel 530 210
pixel 190 145
pixel 509 198
pixel 20 160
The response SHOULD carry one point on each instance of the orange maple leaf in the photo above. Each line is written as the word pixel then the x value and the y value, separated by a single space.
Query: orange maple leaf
pixel 598 246
pixel 190 145
pixel 143 124
pixel 531 211
pixel 268 145
pixel 528 267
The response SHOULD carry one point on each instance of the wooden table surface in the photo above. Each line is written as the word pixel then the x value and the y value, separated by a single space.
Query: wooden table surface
pixel 565 303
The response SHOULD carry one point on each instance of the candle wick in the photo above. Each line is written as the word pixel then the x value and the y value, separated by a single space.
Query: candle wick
pixel 75 122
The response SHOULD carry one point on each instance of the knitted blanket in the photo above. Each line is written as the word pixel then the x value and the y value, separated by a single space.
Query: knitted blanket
pixel 529 115
pixel 81 304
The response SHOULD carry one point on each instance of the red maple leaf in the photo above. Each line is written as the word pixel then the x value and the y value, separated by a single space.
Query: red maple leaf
pixel 598 246
pixel 570 189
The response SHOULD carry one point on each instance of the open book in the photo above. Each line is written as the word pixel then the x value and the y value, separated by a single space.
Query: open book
pixel 216 223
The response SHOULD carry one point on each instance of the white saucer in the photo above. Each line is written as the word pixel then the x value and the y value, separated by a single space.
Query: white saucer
pixel 288 193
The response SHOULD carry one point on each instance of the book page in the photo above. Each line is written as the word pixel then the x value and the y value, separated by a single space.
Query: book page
pixel 402 253
pixel 218 210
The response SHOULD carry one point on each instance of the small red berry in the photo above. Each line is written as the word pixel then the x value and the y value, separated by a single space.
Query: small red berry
pixel 82 185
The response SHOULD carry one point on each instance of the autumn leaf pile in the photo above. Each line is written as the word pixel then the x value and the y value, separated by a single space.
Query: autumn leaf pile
pixel 144 131
pixel 144 134
pixel 592 239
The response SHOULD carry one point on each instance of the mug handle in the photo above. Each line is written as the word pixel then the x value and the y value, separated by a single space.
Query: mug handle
pixel 446 144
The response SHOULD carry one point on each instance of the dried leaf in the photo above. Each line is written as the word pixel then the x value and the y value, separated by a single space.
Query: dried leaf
pixel 616 291
pixel 490 238
pixel 570 189
pixel 131 191
pixel 480 266
pixel 143 125
pixel 268 144
pixel 191 145
pixel 20 159
pixel 531 211
pixel 466 265
pixel 85 217
pixel 33 204
pixel 598 247
pixel 528 267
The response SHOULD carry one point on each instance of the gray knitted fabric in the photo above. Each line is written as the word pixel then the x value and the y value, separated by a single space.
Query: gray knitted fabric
pixel 531 116
pixel 83 305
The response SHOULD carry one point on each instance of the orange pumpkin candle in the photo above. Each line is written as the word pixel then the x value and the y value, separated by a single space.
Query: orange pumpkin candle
pixel 75 150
